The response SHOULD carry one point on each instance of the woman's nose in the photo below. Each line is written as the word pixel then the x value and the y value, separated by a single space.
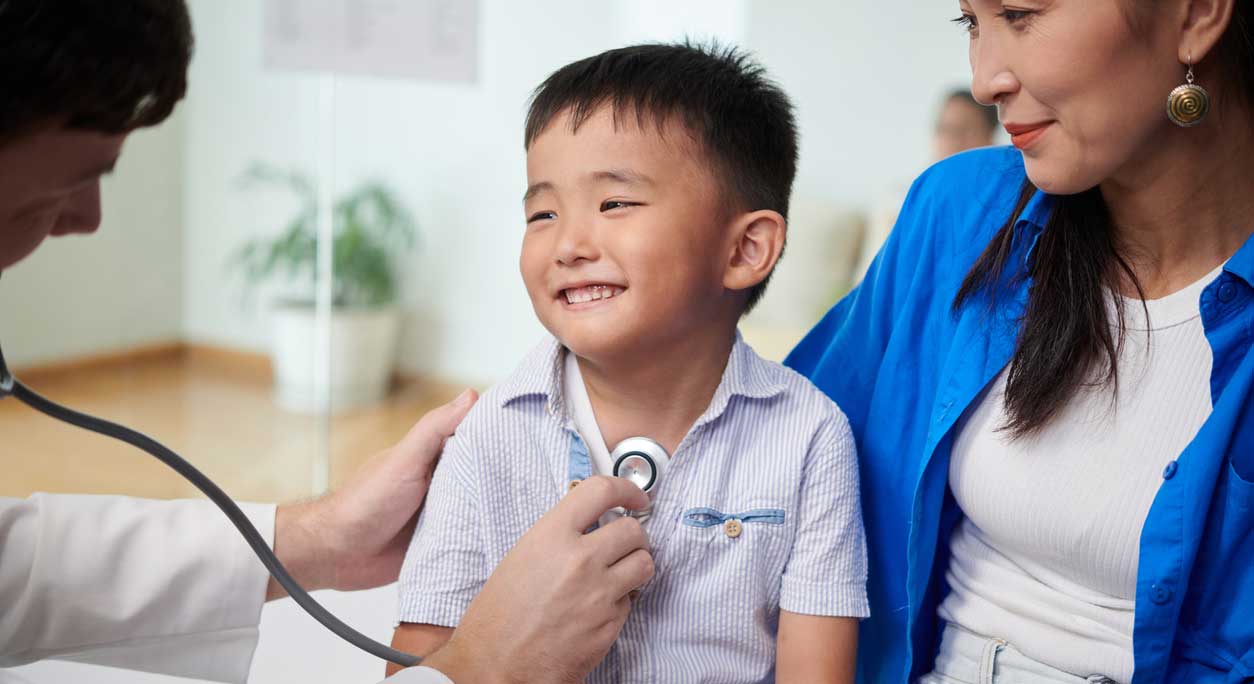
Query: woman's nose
pixel 992 79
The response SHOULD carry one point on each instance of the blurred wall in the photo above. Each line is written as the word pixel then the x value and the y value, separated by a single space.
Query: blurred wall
pixel 864 77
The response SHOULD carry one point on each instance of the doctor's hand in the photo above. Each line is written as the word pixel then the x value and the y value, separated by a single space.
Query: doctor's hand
pixel 557 601
pixel 356 537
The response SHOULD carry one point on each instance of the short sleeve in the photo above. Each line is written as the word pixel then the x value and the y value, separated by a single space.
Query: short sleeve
pixel 826 570
pixel 445 566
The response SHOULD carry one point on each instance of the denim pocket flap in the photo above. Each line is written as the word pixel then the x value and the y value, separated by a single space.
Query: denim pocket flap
pixel 708 517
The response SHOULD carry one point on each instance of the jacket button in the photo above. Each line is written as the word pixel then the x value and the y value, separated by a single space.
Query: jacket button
pixel 1170 471
pixel 1227 292
pixel 1161 594
pixel 732 528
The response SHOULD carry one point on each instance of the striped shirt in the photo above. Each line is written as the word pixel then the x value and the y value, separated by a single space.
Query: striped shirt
pixel 759 512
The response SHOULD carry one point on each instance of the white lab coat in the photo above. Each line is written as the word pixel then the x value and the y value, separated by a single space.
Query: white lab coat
pixel 161 586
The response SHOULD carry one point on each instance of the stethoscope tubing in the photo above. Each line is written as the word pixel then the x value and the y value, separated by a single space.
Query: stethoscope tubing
pixel 11 386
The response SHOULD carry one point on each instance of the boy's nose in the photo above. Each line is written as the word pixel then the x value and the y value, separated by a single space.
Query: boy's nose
pixel 575 244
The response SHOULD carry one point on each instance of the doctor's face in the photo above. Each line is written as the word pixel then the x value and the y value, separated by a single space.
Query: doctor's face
pixel 1081 86
pixel 626 235
pixel 50 185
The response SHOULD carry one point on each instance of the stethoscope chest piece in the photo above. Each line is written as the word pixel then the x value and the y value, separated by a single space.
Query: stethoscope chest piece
pixel 640 460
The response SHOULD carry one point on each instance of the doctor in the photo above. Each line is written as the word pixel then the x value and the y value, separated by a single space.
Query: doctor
pixel 170 587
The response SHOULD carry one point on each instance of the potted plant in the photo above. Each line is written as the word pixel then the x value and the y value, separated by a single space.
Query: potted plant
pixel 369 224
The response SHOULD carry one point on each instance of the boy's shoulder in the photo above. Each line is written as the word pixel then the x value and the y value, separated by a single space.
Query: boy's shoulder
pixel 522 396
pixel 791 394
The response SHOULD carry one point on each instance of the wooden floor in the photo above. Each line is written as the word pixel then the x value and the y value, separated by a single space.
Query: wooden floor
pixel 216 414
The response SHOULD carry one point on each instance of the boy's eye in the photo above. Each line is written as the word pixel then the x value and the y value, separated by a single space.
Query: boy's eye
pixel 541 216
pixel 617 204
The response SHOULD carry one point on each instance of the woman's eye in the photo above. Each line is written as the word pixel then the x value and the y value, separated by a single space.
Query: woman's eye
pixel 1013 17
pixel 616 204
pixel 966 22
pixel 541 216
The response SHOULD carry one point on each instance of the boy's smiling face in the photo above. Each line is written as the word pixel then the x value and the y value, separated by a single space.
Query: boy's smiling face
pixel 626 242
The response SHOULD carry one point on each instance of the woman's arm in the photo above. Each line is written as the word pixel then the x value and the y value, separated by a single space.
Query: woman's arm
pixel 815 649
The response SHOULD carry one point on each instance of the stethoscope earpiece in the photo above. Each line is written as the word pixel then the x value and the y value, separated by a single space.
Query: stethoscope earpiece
pixel 640 460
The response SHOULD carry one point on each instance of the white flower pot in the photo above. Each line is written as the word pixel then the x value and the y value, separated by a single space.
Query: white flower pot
pixel 362 355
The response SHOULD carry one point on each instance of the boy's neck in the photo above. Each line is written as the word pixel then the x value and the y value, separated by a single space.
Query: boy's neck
pixel 661 393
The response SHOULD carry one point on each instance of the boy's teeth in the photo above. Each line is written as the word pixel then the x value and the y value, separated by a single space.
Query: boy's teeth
pixel 592 293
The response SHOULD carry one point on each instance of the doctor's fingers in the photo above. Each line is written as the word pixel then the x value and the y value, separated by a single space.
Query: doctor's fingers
pixel 615 541
pixel 604 636
pixel 630 573
pixel 585 504
pixel 427 436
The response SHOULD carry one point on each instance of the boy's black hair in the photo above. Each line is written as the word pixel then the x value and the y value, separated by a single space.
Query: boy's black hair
pixel 743 120
pixel 103 65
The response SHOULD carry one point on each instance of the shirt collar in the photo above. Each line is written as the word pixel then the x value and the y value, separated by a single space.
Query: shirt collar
pixel 540 375
pixel 1033 219
pixel 1241 264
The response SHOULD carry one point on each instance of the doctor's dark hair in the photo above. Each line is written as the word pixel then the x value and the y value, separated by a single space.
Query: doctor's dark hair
pixel 1065 338
pixel 741 119
pixel 102 65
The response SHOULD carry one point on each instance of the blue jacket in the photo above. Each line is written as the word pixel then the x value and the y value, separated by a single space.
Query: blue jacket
pixel 904 367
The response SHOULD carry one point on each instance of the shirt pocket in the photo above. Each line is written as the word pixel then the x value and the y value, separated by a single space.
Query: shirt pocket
pixel 741 548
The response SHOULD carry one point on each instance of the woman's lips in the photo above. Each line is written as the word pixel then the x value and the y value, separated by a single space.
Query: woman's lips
pixel 1024 136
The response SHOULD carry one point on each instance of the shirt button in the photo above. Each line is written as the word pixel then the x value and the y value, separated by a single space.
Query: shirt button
pixel 573 484
pixel 1160 594
pixel 1227 292
pixel 1170 471
pixel 733 528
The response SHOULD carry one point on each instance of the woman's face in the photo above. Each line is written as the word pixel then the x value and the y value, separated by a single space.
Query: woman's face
pixel 1081 91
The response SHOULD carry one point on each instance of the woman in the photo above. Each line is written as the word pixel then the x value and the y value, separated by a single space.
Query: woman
pixel 1048 366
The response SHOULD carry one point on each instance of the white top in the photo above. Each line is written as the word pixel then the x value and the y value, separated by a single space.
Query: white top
pixel 1046 557
pixel 168 587
pixel 581 414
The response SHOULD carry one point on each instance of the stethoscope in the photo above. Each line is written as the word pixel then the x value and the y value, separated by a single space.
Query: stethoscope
pixel 638 459
pixel 642 462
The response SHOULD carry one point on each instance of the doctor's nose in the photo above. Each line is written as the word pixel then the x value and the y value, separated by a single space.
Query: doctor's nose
pixel 81 213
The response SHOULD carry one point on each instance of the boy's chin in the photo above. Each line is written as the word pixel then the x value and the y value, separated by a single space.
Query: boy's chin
pixel 600 345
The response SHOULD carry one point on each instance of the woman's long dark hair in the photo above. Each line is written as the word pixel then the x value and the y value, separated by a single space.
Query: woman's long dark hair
pixel 1065 339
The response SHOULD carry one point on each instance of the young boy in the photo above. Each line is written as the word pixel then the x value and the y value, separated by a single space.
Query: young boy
pixel 659 178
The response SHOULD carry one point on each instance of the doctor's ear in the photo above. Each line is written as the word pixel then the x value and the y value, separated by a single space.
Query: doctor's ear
pixel 757 242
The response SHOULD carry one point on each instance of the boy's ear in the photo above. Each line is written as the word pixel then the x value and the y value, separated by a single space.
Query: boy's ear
pixel 757 243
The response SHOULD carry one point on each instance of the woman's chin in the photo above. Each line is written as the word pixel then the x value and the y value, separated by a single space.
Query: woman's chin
pixel 1057 176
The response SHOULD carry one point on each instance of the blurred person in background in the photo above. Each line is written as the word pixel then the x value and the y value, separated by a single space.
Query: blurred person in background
pixel 961 124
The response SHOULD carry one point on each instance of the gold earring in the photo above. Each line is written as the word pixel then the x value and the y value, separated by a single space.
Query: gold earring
pixel 1188 104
